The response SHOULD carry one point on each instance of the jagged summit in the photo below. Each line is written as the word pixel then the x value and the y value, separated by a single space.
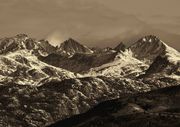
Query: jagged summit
pixel 150 39
pixel 23 42
pixel 19 60
pixel 14 43
pixel 148 47
pixel 70 41
pixel 71 47
pixel 139 57
pixel 46 46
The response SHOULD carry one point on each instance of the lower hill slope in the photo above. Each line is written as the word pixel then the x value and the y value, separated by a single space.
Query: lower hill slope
pixel 153 109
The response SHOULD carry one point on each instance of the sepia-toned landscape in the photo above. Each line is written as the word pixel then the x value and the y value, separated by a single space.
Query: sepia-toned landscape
pixel 83 63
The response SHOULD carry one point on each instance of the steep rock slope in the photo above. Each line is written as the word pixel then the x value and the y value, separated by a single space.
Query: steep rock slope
pixel 79 62
pixel 20 64
pixel 164 69
pixel 70 47
pixel 75 57
pixel 148 48
pixel 22 41
pixel 140 58
pixel 24 68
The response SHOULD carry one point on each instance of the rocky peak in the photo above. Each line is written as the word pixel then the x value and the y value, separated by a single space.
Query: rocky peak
pixel 12 43
pixel 23 42
pixel 70 42
pixel 148 47
pixel 150 39
pixel 71 46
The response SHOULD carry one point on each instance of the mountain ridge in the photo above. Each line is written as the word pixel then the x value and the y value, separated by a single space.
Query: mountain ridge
pixel 39 84
pixel 71 47
pixel 129 62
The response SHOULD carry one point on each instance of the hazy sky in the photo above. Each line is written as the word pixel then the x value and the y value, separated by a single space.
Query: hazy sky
pixel 92 22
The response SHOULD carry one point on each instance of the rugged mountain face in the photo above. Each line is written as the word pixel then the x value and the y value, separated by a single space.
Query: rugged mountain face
pixel 164 69
pixel 130 63
pixel 163 66
pixel 120 47
pixel 24 68
pixel 78 58
pixel 20 64
pixel 70 47
pixel 14 43
pixel 36 91
pixel 140 58
pixel 124 65
pixel 153 109
pixel 148 48
pixel 46 46
pixel 79 62
pixel 22 41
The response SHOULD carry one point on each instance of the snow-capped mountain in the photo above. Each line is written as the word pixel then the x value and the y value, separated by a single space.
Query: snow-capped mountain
pixel 71 47
pixel 148 48
pixel 130 62
pixel 136 59
pixel 58 93
pixel 23 67
pixel 165 67
pixel 168 62
pixel 22 41
pixel 19 62
pixel 172 55
pixel 124 65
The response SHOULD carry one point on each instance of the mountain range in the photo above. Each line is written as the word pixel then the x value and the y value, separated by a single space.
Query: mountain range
pixel 41 84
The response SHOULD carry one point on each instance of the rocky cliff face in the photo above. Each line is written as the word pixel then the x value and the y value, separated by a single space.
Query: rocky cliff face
pixel 23 42
pixel 148 48
pixel 20 64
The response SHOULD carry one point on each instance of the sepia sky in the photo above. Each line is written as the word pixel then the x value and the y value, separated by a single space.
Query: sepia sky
pixel 92 22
